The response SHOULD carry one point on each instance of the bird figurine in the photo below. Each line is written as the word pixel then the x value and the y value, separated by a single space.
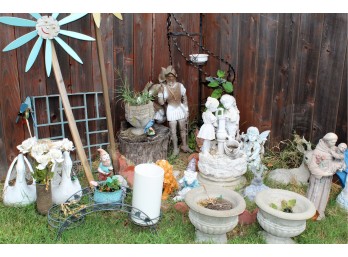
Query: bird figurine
pixel 25 110
pixel 148 128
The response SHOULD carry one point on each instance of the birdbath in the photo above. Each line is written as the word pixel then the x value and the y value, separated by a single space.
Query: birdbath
pixel 280 226
pixel 212 225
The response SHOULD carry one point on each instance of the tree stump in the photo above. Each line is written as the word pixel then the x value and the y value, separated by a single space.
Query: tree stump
pixel 143 148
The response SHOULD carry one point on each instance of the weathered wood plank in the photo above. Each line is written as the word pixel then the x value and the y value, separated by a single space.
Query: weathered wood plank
pixel 266 54
pixel 160 49
pixel 284 77
pixel 3 162
pixel 34 79
pixel 342 123
pixel 333 48
pixel 187 74
pixel 142 50
pixel 308 61
pixel 13 134
pixel 247 68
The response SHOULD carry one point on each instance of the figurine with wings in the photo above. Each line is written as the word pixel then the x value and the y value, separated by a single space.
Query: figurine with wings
pixel 253 146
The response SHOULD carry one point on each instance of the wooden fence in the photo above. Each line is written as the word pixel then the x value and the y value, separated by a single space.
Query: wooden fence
pixel 291 69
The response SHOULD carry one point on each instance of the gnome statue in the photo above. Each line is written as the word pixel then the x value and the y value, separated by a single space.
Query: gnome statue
pixel 105 166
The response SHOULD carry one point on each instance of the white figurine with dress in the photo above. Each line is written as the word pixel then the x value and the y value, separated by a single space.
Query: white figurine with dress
pixel 207 131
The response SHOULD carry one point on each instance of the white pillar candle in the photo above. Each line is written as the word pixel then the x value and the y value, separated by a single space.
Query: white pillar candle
pixel 147 193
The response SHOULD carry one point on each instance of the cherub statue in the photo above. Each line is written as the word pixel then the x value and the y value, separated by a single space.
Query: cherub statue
pixel 174 94
pixel 253 147
pixel 207 131
pixel 322 165
pixel 105 166
pixel 232 115
pixel 188 181
pixel 338 152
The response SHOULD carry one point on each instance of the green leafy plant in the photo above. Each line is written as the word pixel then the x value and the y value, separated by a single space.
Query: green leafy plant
pixel 220 84
pixel 110 185
pixel 43 176
pixel 286 206
pixel 129 96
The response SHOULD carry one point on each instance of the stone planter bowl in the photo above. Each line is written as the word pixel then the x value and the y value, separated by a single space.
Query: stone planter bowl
pixel 138 116
pixel 212 225
pixel 281 226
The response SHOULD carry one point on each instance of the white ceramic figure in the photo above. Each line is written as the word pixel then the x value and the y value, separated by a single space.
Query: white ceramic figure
pixel 225 164
pixel 207 131
pixel 188 181
pixel 20 194
pixel 322 166
pixel 253 146
pixel 63 187
pixel 174 94
pixel 232 115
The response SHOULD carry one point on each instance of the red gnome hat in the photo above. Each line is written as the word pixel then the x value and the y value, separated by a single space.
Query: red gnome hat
pixel 102 152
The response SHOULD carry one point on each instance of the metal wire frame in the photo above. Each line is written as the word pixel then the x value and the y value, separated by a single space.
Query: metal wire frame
pixel 62 122
pixel 82 204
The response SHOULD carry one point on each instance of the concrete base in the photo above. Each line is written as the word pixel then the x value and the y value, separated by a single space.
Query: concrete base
pixel 230 183
pixel 202 237
pixel 271 239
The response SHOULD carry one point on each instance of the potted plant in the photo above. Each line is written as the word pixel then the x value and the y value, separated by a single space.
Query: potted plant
pixel 282 214
pixel 45 155
pixel 139 109
pixel 220 84
pixel 108 191
pixel 214 212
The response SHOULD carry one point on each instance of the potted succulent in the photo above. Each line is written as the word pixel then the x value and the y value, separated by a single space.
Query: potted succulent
pixel 139 109
pixel 282 214
pixel 108 191
pixel 220 84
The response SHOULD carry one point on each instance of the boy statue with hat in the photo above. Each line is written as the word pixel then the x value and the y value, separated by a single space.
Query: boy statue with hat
pixel 174 94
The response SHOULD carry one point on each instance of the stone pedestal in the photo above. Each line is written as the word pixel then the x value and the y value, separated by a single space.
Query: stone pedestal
pixel 142 148
pixel 221 170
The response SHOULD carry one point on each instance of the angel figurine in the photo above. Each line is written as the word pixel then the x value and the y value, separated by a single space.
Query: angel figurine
pixel 253 147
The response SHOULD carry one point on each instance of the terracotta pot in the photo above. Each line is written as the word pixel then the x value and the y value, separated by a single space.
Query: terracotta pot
pixel 44 198
pixel 247 217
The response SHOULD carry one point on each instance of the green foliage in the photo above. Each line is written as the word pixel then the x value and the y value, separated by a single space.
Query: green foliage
pixel 42 176
pixel 220 84
pixel 129 96
pixel 286 206
pixel 110 185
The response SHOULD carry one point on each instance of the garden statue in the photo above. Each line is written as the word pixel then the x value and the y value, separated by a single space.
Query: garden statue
pixel 297 175
pixel 342 198
pixel 253 146
pixel 169 183
pixel 19 194
pixel 207 131
pixel 174 94
pixel 188 181
pixel 105 167
pixel 225 164
pixel 322 166
pixel 154 90
pixel 232 115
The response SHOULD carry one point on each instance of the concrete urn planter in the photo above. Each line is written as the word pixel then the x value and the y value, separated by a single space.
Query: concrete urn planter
pixel 212 225
pixel 280 226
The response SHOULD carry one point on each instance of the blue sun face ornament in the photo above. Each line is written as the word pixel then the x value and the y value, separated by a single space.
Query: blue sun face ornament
pixel 47 28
